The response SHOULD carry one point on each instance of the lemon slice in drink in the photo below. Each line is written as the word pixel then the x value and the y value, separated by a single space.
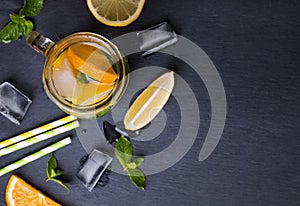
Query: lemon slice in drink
pixel 150 102
pixel 89 93
pixel 116 12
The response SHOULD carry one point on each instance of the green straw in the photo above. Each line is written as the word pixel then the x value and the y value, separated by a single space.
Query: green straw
pixel 35 156
pixel 39 138
pixel 36 131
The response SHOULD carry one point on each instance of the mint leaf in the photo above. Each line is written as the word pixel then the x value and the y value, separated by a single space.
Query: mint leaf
pixel 27 26
pixel 123 151
pixel 51 166
pixel 61 183
pixel 23 23
pixel 31 7
pixel 19 24
pixel 137 177
pixel 16 18
pixel 131 165
pixel 53 171
pixel 100 114
pixel 11 32
pixel 138 161
pixel 14 29
pixel 81 77
pixel 124 155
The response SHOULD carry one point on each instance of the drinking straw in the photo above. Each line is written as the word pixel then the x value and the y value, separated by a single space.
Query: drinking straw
pixel 39 138
pixel 36 131
pixel 35 156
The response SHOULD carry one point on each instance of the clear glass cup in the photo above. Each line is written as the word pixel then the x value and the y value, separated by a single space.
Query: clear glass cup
pixel 84 74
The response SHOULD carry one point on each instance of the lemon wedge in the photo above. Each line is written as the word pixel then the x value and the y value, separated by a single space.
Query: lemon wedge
pixel 150 102
pixel 116 12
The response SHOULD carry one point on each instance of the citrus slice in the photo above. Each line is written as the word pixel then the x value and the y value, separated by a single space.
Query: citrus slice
pixel 89 93
pixel 91 61
pixel 150 102
pixel 116 12
pixel 62 62
pixel 20 193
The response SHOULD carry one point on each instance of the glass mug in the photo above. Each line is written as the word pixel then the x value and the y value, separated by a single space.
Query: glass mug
pixel 84 74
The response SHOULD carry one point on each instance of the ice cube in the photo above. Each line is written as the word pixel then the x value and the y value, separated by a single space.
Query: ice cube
pixel 13 103
pixel 64 79
pixel 104 180
pixel 93 168
pixel 156 38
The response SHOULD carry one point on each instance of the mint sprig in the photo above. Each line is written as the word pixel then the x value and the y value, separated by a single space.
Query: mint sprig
pixel 19 24
pixel 31 8
pixel 124 155
pixel 53 172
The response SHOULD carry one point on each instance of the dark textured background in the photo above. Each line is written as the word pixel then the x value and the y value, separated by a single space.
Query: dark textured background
pixel 255 47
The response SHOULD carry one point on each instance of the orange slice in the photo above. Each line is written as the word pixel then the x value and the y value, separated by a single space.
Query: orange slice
pixel 92 62
pixel 20 193
pixel 62 62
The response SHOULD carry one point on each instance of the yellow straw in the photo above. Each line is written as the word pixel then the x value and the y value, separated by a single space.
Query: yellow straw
pixel 36 131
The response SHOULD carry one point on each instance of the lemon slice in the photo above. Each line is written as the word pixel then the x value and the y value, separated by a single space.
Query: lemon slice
pixel 116 12
pixel 89 93
pixel 150 102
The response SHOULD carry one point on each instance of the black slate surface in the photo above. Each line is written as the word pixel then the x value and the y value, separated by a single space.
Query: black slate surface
pixel 255 47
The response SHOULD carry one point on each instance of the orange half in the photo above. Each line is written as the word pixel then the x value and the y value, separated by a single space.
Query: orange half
pixel 20 193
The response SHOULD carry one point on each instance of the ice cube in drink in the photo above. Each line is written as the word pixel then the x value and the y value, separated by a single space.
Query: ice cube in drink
pixel 83 74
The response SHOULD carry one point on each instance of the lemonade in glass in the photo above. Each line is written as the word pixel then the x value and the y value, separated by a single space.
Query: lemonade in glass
pixel 84 73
